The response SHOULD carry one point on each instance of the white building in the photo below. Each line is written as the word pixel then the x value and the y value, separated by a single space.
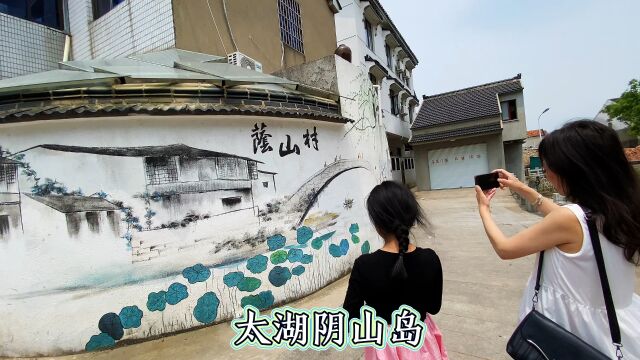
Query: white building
pixel 377 45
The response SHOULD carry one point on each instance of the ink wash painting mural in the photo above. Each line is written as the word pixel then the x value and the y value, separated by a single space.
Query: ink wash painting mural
pixel 125 228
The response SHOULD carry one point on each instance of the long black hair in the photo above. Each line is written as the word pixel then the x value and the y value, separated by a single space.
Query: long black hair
pixel 590 162
pixel 394 210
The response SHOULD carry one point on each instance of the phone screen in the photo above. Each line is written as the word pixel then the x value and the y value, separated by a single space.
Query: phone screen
pixel 488 181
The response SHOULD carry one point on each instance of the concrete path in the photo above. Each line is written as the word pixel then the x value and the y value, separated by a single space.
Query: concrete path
pixel 481 292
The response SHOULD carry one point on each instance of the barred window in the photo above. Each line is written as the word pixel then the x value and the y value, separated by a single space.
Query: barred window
pixel 8 173
pixel 290 24
pixel 161 170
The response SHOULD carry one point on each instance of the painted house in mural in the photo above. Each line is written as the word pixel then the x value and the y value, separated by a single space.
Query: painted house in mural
pixel 72 215
pixel 10 200
pixel 173 181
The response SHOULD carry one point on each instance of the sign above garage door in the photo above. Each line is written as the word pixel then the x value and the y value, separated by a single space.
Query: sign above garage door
pixel 455 167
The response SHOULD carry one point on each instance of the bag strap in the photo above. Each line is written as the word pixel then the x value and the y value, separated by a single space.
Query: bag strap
pixel 614 327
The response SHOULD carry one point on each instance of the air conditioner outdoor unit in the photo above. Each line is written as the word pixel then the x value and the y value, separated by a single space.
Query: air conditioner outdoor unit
pixel 239 59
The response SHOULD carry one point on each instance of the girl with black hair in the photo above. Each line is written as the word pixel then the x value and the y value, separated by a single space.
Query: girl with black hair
pixel 585 162
pixel 400 273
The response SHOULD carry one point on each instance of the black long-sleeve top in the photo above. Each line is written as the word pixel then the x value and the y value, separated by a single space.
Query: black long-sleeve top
pixel 371 284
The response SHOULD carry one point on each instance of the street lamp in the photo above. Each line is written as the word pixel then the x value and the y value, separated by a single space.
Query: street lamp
pixel 539 128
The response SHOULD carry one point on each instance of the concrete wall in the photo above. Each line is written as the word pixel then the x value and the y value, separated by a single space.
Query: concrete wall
pixel 256 30
pixel 27 47
pixel 320 74
pixel 495 152
pixel 513 159
pixel 515 129
pixel 135 26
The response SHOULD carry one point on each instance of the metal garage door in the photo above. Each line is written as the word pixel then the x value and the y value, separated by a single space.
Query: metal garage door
pixel 455 167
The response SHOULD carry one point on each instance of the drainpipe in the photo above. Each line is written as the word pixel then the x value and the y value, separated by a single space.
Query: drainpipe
pixel 67 48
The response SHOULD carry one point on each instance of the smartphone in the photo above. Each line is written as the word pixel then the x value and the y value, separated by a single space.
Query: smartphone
pixel 488 181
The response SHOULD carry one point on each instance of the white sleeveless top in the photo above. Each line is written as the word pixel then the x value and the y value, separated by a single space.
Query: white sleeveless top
pixel 571 294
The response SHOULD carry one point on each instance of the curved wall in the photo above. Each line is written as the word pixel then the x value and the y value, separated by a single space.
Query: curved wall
pixel 115 229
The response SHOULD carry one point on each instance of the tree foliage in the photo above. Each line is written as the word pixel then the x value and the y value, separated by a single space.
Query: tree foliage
pixel 627 107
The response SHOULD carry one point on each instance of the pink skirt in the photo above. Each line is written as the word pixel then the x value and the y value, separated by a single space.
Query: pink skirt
pixel 433 348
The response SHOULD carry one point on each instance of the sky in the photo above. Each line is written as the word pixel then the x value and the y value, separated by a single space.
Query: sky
pixel 573 54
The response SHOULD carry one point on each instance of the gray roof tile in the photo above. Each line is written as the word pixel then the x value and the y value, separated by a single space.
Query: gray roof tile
pixel 443 135
pixel 465 104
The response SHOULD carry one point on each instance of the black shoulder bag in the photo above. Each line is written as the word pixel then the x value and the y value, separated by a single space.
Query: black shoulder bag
pixel 539 338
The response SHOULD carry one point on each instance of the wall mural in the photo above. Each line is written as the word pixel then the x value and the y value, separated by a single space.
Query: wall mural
pixel 122 230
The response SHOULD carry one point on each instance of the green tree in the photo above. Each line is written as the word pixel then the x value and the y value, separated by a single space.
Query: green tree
pixel 627 107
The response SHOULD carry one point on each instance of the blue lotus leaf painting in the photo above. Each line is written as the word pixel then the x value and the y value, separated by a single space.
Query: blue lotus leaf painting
pixel 355 239
pixel 298 270
pixel 316 243
pixel 176 293
pixel 131 317
pixel 257 264
pixel 157 301
pixel 295 255
pixel 232 279
pixel 326 236
pixel 196 273
pixel 304 234
pixel 335 250
pixel 279 276
pixel 262 301
pixel 355 228
pixel 99 342
pixel 110 324
pixel 276 242
pixel 344 247
pixel 206 309
pixel 279 257
pixel 249 284
pixel 366 247
pixel 307 259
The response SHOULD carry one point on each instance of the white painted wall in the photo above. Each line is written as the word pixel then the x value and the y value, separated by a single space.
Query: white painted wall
pixel 70 283
pixel 351 32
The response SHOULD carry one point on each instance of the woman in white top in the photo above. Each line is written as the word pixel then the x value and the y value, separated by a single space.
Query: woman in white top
pixel 584 161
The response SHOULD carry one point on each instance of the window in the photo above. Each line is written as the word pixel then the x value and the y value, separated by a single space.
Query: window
pixel 102 7
pixel 387 50
pixel 290 24
pixel 232 169
pixel 8 173
pixel 265 184
pixel 395 104
pixel 411 114
pixel 231 201
pixel 393 164
pixel 161 170
pixel 509 110
pixel 46 12
pixel 369 30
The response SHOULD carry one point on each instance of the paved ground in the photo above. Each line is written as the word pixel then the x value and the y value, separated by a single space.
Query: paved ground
pixel 481 295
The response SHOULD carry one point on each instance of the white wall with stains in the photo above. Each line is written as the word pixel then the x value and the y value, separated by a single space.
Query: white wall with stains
pixel 90 290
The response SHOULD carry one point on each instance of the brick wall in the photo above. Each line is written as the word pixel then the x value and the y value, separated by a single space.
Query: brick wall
pixel 135 26
pixel 27 47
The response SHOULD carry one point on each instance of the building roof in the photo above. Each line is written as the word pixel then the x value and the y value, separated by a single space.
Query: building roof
pixel 377 6
pixel 143 151
pixel 536 133
pixel 469 131
pixel 67 204
pixel 168 82
pixel 4 160
pixel 466 104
